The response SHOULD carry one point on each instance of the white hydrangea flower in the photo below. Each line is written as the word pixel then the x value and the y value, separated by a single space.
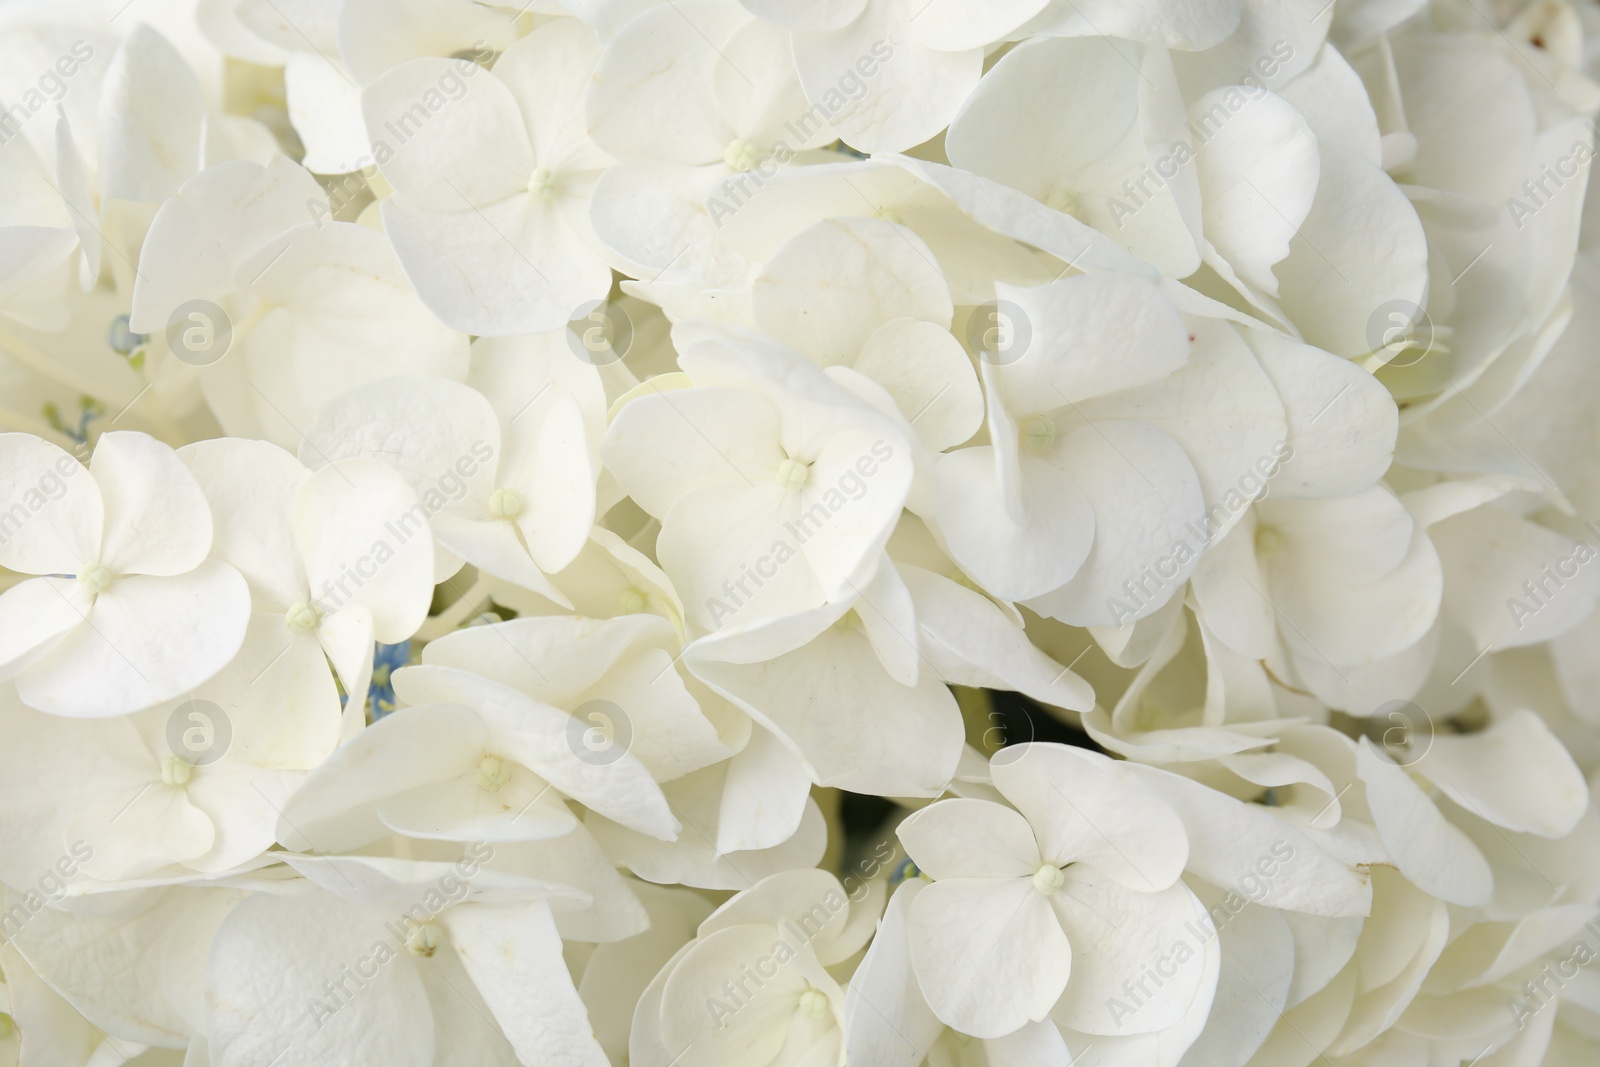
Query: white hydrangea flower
pixel 1066 896
pixel 130 608
pixel 515 518
pixel 489 213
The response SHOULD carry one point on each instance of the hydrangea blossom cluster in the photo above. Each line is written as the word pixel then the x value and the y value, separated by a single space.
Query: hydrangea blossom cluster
pixel 799 533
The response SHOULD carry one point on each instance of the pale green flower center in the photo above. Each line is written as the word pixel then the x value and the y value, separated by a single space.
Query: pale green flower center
pixel 423 940
pixel 1039 431
pixel 792 474
pixel 1269 542
pixel 301 618
pixel 492 774
pixel 176 771
pixel 506 504
pixel 814 1002
pixel 96 579
pixel 543 184
pixel 1049 878
pixel 741 155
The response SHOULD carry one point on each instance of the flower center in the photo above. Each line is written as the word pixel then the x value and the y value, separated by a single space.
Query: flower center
pixel 1049 878
pixel 96 579
pixel 505 504
pixel 889 214
pixel 814 1002
pixel 492 774
pixel 1269 542
pixel 423 940
pixel 740 154
pixel 543 184
pixel 792 474
pixel 1039 431
pixel 301 618
pixel 634 601
pixel 848 621
pixel 1063 200
pixel 175 771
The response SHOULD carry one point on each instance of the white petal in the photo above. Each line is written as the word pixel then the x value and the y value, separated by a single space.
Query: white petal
pixel 1092 335
pixel 913 94
pixel 989 954
pixel 1013 558
pixel 1361 246
pixel 271 959
pixel 150 117
pixel 1258 175
pixel 1431 852
pixel 514 958
pixel 1192 27
pixel 653 94
pixel 969 640
pixel 1342 422
pixel 806 14
pixel 886 1020
pixel 661 446
pixel 461 810
pixel 970 839
pixel 1116 935
pixel 324 105
pixel 1357 580
pixel 157 519
pixel 1147 502
pixel 511 267
pixel 1087 808
pixel 547 740
pixel 696 858
pixel 335 808
pixel 829 287
pixel 930 377
pixel 1515 774
pixel 1229 838
pixel 217 219
pixel 908 748
pixel 52 513
pixel 365 541
pixel 145 640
